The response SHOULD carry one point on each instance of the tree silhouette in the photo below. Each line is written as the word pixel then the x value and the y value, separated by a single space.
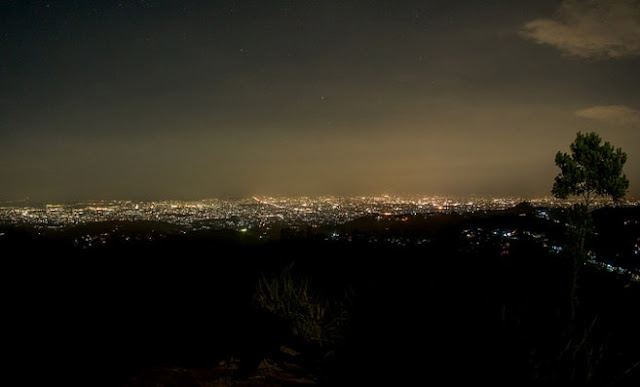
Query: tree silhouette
pixel 591 171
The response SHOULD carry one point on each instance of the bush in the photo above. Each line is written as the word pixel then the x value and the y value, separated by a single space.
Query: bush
pixel 309 316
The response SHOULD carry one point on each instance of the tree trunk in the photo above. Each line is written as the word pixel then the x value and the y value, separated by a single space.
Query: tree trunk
pixel 578 258
pixel 574 288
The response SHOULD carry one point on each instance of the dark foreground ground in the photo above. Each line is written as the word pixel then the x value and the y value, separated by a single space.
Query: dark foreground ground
pixel 181 310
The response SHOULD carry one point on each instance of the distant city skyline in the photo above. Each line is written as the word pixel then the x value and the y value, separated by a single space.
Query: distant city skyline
pixel 255 212
pixel 189 100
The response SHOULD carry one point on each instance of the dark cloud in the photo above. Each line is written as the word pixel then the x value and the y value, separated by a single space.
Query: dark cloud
pixel 592 28
pixel 611 114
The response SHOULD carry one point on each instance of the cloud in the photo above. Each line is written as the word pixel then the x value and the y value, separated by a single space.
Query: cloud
pixel 590 28
pixel 612 114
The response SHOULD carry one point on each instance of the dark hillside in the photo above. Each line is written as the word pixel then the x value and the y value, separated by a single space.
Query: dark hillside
pixel 446 309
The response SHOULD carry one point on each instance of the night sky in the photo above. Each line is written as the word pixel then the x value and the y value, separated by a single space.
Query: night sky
pixel 196 99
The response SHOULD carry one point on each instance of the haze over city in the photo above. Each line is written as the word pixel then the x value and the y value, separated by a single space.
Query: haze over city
pixel 189 100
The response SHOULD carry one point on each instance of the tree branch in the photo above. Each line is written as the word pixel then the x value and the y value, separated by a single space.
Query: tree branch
pixel 625 373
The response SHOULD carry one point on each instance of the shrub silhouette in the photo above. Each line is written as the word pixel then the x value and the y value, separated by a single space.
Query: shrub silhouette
pixel 310 316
